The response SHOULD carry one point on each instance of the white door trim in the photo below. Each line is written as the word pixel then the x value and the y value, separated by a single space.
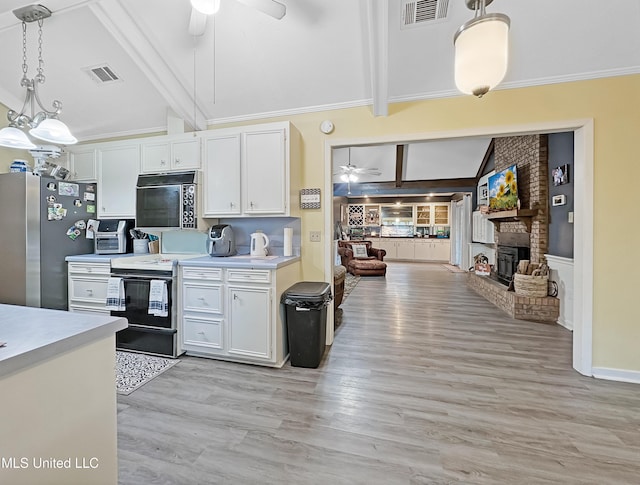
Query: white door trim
pixel 583 222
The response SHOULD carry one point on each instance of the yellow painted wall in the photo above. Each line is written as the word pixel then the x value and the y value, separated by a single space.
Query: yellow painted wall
pixel 613 104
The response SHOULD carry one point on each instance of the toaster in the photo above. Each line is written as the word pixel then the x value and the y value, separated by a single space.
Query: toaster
pixel 221 241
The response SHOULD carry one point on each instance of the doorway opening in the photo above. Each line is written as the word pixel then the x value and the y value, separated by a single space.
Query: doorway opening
pixel 583 219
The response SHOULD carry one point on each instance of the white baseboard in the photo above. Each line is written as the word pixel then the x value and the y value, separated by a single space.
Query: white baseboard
pixel 565 324
pixel 619 375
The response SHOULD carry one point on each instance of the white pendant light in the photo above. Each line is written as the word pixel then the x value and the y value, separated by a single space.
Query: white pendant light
pixel 207 7
pixel 481 50
pixel 53 131
pixel 43 124
pixel 12 137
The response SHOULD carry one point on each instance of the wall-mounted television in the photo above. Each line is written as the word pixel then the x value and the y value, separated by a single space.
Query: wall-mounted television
pixel 503 190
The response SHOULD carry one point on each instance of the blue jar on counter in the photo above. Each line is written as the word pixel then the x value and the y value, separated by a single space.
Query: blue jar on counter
pixel 19 166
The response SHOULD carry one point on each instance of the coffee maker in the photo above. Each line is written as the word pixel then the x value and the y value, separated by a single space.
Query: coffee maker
pixel 111 236
pixel 221 242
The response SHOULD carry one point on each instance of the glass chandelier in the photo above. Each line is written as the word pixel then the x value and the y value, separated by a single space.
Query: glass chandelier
pixel 481 50
pixel 44 124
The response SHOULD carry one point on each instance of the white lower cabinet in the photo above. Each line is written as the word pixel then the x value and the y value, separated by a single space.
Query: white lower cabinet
pixel 87 287
pixel 202 333
pixel 415 249
pixel 201 310
pixel 249 322
pixel 432 250
pixel 397 248
pixel 234 313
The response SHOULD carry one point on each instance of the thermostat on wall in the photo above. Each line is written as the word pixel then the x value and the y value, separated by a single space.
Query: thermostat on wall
pixel 559 200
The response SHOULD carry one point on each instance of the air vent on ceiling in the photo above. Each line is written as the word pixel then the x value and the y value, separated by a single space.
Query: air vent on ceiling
pixel 422 12
pixel 102 74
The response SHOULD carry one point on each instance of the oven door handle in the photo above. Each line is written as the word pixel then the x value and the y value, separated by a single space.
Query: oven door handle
pixel 130 277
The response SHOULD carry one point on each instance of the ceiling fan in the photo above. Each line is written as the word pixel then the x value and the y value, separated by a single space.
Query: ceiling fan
pixel 201 9
pixel 349 173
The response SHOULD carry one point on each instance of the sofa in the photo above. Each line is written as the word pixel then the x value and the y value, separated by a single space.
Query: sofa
pixel 359 261
pixel 339 275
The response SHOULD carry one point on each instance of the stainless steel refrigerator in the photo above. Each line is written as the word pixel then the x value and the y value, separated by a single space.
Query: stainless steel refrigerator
pixel 42 220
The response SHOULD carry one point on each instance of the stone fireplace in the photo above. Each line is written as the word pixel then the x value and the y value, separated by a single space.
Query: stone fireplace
pixel 520 233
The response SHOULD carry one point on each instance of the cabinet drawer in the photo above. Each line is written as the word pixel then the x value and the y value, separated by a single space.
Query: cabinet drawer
pixel 202 332
pixel 214 274
pixel 202 297
pixel 90 268
pixel 88 308
pixel 88 289
pixel 249 275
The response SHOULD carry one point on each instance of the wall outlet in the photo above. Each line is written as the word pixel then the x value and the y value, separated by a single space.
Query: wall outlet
pixel 570 217
pixel 314 236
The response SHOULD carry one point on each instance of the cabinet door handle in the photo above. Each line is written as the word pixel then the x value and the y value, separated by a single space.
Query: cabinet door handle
pixel 177 161
pixel 89 270
pixel 90 291
pixel 235 297
pixel 163 162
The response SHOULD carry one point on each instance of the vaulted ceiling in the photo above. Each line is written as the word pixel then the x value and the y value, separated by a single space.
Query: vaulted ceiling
pixel 323 54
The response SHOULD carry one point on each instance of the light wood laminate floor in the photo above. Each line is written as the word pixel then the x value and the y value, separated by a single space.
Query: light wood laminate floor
pixel 426 382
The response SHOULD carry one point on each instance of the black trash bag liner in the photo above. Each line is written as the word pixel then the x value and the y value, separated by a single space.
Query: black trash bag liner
pixel 311 295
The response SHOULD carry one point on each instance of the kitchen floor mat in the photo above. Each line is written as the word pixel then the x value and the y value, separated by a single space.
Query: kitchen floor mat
pixel 134 370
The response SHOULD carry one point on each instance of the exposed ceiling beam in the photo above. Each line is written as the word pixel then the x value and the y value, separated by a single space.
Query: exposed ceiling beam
pixel 399 164
pixel 378 41
pixel 420 184
pixel 486 157
pixel 119 22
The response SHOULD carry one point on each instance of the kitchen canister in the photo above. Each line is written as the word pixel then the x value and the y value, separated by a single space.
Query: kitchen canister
pixel 19 166
pixel 288 241
pixel 140 245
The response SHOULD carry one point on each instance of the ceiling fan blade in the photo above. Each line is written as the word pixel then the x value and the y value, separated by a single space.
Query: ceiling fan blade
pixel 272 8
pixel 366 170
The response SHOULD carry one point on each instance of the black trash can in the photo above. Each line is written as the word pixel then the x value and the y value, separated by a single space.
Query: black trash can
pixel 306 315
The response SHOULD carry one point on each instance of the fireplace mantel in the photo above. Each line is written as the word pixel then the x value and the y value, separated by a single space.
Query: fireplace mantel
pixel 522 215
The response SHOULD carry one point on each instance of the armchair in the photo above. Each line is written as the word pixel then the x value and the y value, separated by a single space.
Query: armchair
pixel 370 265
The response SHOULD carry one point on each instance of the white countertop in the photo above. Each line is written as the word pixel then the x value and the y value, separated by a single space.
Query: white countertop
pixel 36 334
pixel 240 261
pixel 97 258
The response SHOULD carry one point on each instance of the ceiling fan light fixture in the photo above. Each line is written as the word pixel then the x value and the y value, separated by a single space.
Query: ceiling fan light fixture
pixel 353 178
pixel 481 50
pixel 207 7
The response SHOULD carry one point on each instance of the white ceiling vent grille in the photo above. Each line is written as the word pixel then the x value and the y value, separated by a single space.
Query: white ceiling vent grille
pixel 102 74
pixel 423 12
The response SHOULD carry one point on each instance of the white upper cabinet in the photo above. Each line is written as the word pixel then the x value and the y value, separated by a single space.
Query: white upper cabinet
pixel 221 175
pixel 249 171
pixel 83 166
pixel 173 154
pixel 265 172
pixel 118 170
